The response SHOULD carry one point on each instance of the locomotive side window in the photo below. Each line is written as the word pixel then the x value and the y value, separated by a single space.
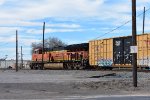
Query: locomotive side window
pixel 37 51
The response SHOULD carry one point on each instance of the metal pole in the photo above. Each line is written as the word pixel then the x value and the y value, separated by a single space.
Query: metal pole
pixel 5 60
pixel 143 36
pixel 49 52
pixel 144 21
pixel 134 43
pixel 43 47
pixel 21 58
pixel 5 63
pixel 16 51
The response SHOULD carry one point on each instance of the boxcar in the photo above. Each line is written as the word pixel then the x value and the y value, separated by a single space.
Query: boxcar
pixel 115 52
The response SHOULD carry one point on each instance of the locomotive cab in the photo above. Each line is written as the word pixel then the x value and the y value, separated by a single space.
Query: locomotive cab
pixel 37 53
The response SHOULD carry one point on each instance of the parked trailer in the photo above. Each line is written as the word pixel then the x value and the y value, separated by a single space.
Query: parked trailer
pixel 115 52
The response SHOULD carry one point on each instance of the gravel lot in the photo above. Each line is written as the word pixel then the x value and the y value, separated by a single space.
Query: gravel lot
pixel 61 84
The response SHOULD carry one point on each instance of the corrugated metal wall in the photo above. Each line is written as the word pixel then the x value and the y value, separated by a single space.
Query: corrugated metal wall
pixel 101 52
pixel 143 42
pixel 116 51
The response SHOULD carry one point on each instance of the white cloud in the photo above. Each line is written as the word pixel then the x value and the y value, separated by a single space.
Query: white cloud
pixel 64 25
pixel 28 42
pixel 47 8
pixel 2 2
pixel 9 30
pixel 33 9
pixel 143 1
pixel 36 31
pixel 65 8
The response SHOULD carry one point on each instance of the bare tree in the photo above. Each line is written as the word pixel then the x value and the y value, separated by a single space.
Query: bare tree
pixel 53 42
pixel 35 45
pixel 50 42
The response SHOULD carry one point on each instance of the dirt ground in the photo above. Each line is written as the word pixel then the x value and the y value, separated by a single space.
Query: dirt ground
pixel 61 84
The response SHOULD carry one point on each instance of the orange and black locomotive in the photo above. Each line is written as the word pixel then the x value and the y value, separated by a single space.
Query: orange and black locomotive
pixel 69 57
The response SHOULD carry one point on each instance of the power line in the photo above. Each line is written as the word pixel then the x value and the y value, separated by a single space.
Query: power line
pixel 119 26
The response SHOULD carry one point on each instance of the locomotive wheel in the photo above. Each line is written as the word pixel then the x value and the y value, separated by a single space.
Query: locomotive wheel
pixel 65 66
pixel 77 68
pixel 72 67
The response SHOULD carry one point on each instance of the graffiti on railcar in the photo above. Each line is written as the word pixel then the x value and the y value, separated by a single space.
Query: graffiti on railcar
pixel 105 62
pixel 144 61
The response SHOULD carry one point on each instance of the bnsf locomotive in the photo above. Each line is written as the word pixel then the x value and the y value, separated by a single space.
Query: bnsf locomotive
pixel 69 57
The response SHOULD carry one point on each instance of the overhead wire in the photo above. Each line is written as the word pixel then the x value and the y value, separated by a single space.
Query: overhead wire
pixel 119 26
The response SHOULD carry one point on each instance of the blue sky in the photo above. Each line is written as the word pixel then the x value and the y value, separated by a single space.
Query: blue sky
pixel 72 21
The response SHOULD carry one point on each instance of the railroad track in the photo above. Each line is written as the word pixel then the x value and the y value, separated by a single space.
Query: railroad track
pixel 120 70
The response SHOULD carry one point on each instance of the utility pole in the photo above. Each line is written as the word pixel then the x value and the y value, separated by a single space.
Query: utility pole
pixel 5 60
pixel 43 46
pixel 21 58
pixel 134 43
pixel 49 53
pixel 16 51
pixel 144 21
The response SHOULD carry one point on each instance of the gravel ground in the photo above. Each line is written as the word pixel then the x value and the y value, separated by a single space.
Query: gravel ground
pixel 59 84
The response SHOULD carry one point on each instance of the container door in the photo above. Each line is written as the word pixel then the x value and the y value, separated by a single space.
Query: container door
pixel 118 53
pixel 127 54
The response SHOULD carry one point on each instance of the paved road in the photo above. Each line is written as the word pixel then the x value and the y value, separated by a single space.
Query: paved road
pixel 71 85
pixel 107 98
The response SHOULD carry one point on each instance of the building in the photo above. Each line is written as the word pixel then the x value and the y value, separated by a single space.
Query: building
pixel 12 63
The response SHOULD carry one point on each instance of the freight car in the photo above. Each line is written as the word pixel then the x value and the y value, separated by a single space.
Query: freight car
pixel 115 52
pixel 69 57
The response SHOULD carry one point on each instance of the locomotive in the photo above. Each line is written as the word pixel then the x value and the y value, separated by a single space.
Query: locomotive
pixel 69 57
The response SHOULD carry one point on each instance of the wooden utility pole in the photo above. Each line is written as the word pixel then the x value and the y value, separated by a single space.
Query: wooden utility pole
pixel 43 47
pixel 16 51
pixel 21 58
pixel 134 43
pixel 144 21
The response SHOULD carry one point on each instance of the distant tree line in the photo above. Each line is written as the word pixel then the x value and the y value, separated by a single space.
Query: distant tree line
pixel 50 42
